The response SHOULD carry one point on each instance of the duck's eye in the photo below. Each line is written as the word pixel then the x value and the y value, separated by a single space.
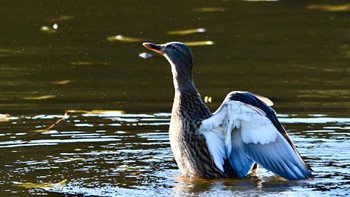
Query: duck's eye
pixel 176 49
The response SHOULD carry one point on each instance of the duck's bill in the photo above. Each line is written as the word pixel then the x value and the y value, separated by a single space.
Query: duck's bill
pixel 153 47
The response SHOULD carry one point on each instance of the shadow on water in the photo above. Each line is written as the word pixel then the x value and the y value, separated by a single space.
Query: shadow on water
pixel 66 66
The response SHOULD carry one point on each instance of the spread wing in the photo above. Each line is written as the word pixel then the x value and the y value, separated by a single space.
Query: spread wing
pixel 245 130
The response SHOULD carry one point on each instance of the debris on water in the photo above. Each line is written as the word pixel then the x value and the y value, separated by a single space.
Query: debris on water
pixel 4 117
pixel 187 31
pixel 199 43
pixel 210 9
pixel 63 82
pixel 48 129
pixel 30 185
pixel 145 55
pixel 50 29
pixel 65 116
pixel 44 97
pixel 208 99
pixel 97 112
pixel 120 38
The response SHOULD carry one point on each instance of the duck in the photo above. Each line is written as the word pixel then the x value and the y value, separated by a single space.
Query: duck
pixel 242 133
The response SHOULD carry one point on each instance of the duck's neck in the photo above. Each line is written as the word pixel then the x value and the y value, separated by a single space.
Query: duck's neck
pixel 182 79
pixel 184 86
pixel 188 102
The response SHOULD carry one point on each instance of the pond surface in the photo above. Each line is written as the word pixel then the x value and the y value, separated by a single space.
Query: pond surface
pixel 83 113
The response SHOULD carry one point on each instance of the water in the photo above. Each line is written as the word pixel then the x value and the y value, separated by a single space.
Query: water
pixel 87 115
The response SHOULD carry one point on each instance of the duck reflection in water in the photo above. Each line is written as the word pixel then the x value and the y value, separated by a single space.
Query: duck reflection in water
pixel 243 132
pixel 257 186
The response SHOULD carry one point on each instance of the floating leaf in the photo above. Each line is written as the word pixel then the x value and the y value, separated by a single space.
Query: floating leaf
pixel 63 82
pixel 209 9
pixel 45 97
pixel 120 38
pixel 199 43
pixel 187 31
pixel 77 111
pixel 330 8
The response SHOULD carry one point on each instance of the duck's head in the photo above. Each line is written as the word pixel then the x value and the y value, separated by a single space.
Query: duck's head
pixel 179 56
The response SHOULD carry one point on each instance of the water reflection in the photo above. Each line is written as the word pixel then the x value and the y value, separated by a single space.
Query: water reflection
pixel 271 185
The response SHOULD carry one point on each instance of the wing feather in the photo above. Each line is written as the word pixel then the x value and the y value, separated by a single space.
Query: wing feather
pixel 246 130
pixel 216 145
pixel 238 158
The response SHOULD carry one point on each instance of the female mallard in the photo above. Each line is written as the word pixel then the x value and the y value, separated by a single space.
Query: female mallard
pixel 242 132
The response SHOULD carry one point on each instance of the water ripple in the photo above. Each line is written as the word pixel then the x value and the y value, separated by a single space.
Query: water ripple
pixel 133 152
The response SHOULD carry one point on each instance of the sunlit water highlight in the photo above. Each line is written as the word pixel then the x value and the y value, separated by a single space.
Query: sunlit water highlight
pixel 116 154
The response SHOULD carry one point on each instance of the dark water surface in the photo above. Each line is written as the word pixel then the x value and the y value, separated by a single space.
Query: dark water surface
pixel 82 113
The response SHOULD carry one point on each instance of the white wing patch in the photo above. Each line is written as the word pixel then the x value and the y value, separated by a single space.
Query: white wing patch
pixel 262 131
pixel 235 115
pixel 244 135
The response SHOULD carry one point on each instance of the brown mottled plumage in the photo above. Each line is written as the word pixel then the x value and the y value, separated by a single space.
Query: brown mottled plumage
pixel 188 145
